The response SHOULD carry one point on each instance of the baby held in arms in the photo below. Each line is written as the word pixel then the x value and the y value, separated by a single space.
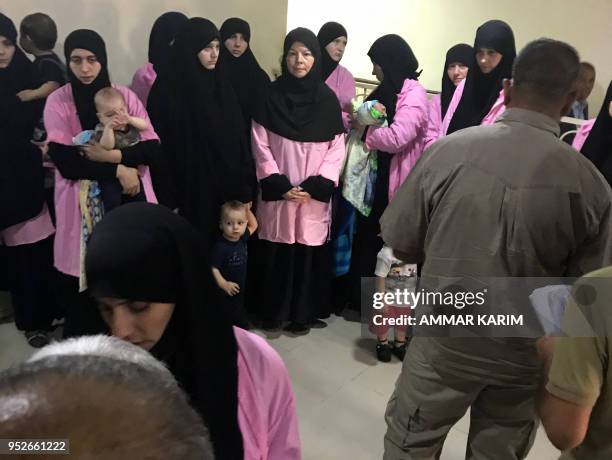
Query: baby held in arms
pixel 370 113
pixel 117 130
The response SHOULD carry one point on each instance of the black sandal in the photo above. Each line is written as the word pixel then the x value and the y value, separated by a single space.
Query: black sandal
pixel 37 339
pixel 297 328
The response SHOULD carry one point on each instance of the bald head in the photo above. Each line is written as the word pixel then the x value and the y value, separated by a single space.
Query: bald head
pixel 107 408
pixel 544 77
pixel 105 346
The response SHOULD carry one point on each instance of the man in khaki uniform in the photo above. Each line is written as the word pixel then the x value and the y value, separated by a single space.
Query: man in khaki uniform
pixel 506 200
pixel 576 410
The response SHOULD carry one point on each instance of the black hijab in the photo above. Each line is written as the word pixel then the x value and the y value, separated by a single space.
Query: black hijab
pixel 244 73
pixel 21 171
pixel 482 90
pixel 163 32
pixel 142 251
pixel 84 94
pixel 301 109
pixel 459 53
pixel 197 116
pixel 327 34
pixel 398 63
pixel 598 145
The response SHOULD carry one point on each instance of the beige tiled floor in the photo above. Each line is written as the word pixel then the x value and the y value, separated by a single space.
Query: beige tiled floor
pixel 341 392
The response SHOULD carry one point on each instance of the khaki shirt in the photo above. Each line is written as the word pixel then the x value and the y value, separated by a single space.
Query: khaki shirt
pixel 504 200
pixel 581 371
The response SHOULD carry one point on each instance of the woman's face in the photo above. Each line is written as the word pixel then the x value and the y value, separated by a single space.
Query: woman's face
pixel 377 71
pixel 299 60
pixel 456 72
pixel 610 109
pixel 209 55
pixel 140 323
pixel 236 44
pixel 336 48
pixel 487 59
pixel 7 51
pixel 84 65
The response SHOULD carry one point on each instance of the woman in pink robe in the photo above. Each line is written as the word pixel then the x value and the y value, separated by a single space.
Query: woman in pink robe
pixel 298 144
pixel 456 66
pixel 26 229
pixel 162 35
pixel 479 98
pixel 333 38
pixel 146 266
pixel 399 145
pixel 68 111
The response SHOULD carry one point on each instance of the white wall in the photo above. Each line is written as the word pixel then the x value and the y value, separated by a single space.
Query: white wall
pixel 433 26
pixel 125 24
pixel 430 26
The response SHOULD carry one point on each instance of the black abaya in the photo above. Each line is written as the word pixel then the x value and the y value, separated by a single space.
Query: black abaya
pixel 598 145
pixel 198 119
pixel 244 73
pixel 21 170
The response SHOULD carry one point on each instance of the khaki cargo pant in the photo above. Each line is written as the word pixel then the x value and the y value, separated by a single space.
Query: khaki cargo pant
pixel 425 405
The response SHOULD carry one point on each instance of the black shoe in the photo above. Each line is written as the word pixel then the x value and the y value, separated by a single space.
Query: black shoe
pixel 270 325
pixel 297 328
pixel 399 350
pixel 37 339
pixel 383 352
pixel 318 324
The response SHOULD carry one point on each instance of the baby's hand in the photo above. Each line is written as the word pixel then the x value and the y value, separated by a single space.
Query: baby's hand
pixel 26 95
pixel 231 288
pixel 122 117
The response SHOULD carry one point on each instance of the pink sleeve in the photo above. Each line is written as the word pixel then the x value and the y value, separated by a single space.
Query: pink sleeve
pixel 283 434
pixel 452 107
pixel 497 109
pixel 142 81
pixel 265 164
pixel 333 159
pixel 434 123
pixel 56 121
pixel 583 134
pixel 409 122
pixel 136 109
pixel 349 91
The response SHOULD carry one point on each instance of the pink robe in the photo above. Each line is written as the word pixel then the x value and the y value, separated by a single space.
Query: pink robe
pixel 434 125
pixel 405 137
pixel 142 81
pixel 266 405
pixel 62 123
pixel 283 221
pixel 342 83
pixel 496 110
pixel 582 134
pixel 30 231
